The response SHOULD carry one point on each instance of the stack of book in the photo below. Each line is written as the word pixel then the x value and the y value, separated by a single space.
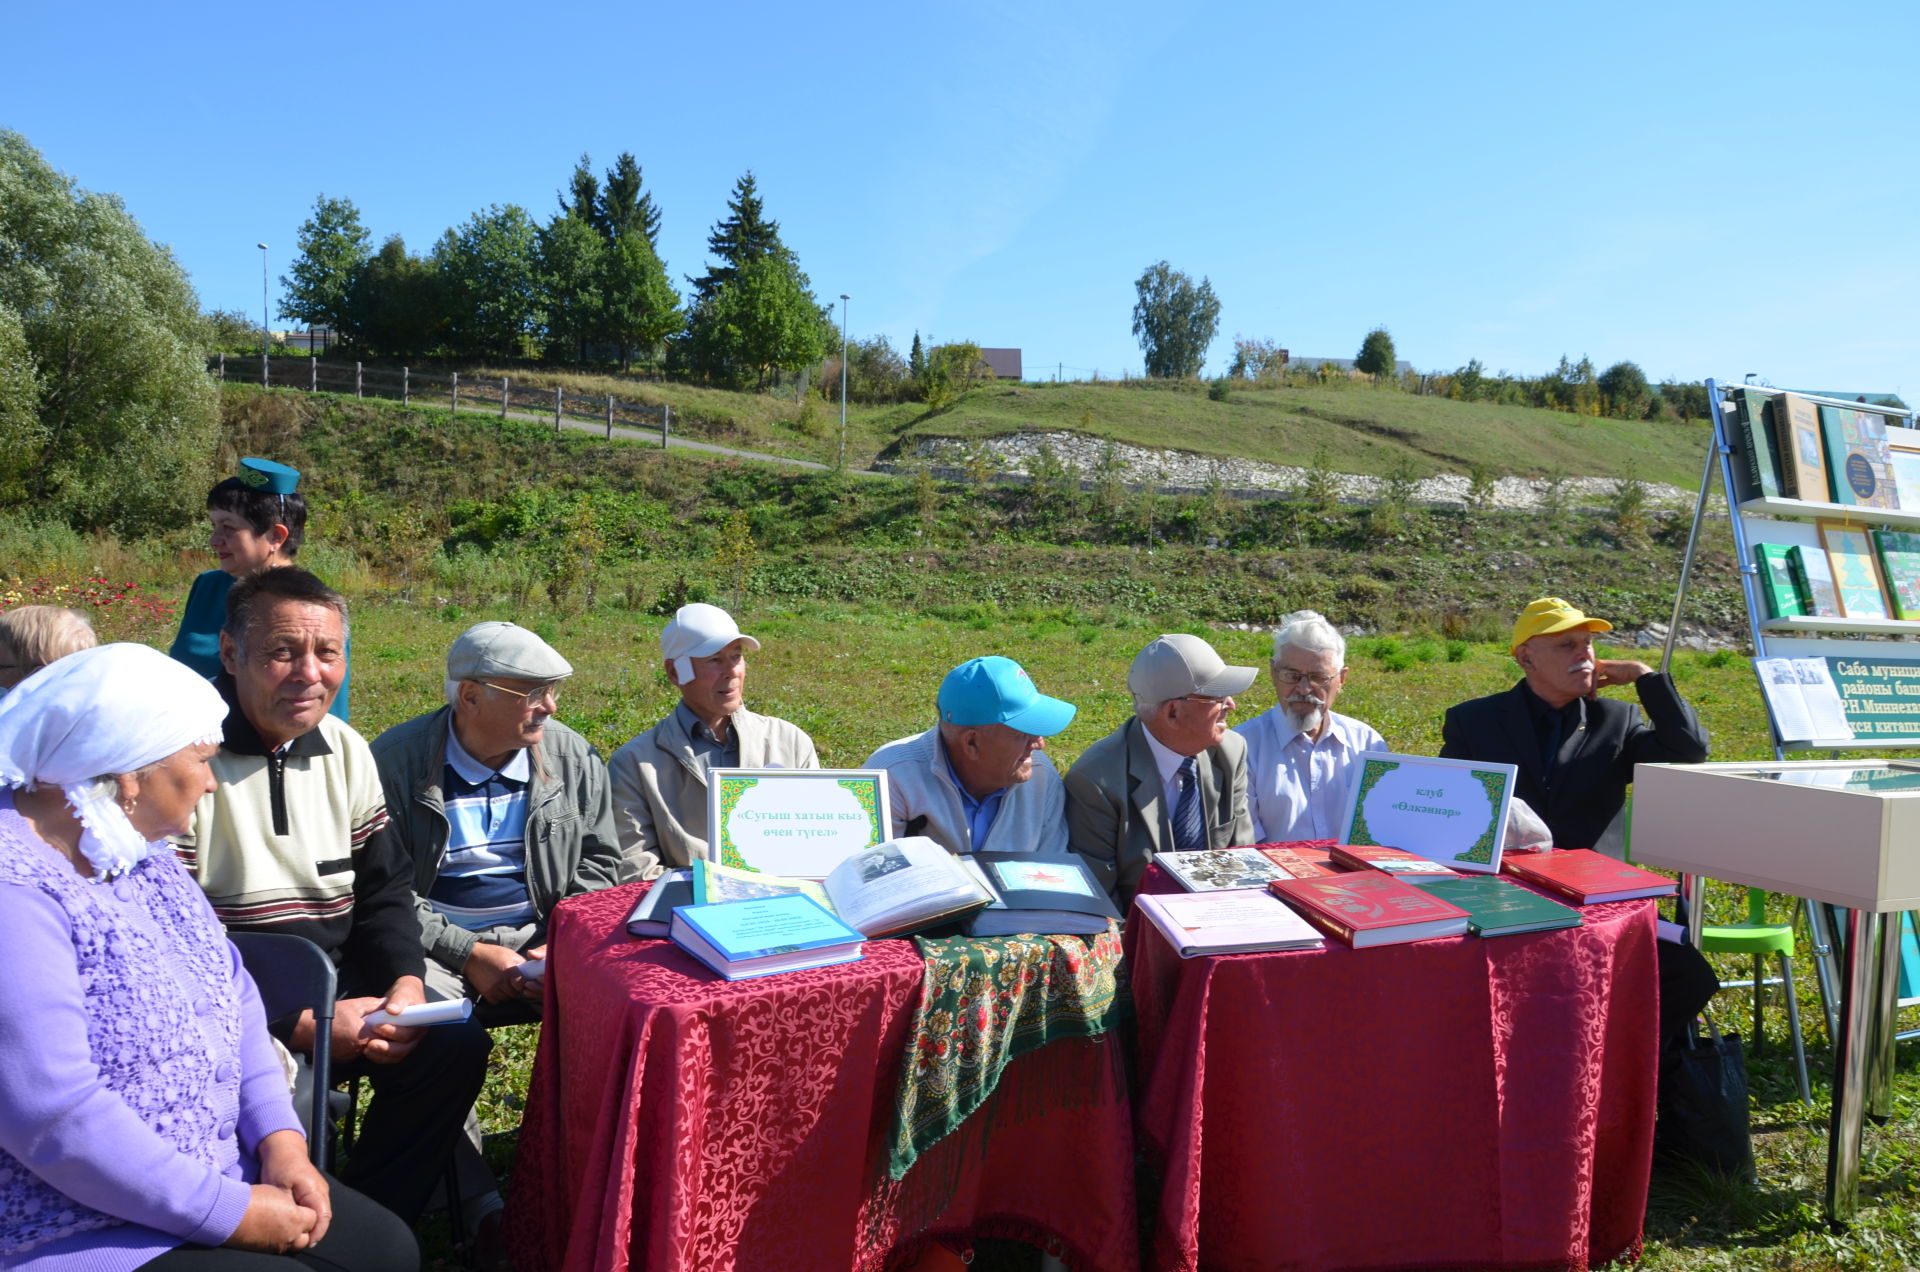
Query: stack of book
pixel 1586 877
pixel 1367 908
pixel 1038 893
pixel 1499 907
pixel 1394 861
pixel 1228 921
pixel 763 935
pixel 1220 869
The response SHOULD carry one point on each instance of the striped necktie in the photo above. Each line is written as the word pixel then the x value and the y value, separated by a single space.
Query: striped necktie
pixel 1189 823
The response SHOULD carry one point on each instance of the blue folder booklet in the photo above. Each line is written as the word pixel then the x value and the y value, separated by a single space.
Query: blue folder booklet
pixel 764 934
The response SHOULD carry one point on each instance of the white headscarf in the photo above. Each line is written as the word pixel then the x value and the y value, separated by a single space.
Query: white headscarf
pixel 107 710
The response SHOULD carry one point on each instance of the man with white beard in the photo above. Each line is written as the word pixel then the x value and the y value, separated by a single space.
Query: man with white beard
pixel 1300 751
pixel 1575 750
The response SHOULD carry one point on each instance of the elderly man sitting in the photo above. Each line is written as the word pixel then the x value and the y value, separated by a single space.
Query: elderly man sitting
pixel 1575 750
pixel 1300 750
pixel 295 838
pixel 1173 778
pixel 503 809
pixel 660 778
pixel 978 780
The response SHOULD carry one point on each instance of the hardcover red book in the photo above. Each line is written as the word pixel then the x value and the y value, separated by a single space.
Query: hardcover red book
pixel 1366 908
pixel 1586 876
pixel 1393 861
pixel 1302 861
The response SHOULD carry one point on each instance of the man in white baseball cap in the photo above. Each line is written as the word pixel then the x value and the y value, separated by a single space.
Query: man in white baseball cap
pixel 660 778
pixel 1173 778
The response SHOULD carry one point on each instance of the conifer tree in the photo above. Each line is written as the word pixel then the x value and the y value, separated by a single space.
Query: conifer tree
pixel 743 236
pixel 624 207
pixel 581 198
pixel 917 359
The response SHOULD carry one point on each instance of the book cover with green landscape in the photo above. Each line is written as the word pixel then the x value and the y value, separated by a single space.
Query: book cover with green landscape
pixel 1900 558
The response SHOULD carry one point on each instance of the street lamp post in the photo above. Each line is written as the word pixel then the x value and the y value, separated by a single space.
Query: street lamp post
pixel 266 320
pixel 843 382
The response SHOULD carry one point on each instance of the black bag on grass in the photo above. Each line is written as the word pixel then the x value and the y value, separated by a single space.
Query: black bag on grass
pixel 1704 1102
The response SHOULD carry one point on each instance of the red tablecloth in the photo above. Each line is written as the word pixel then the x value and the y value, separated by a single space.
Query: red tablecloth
pixel 682 1123
pixel 1455 1103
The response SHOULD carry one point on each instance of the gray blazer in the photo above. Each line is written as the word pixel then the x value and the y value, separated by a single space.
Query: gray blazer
pixel 660 790
pixel 1117 817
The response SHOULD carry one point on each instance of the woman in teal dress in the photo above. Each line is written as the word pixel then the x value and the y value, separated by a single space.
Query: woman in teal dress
pixel 258 520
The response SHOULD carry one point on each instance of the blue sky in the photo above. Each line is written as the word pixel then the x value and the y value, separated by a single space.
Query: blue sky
pixel 1707 189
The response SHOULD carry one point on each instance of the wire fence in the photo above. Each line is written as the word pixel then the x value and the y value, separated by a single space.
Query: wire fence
pixel 471 393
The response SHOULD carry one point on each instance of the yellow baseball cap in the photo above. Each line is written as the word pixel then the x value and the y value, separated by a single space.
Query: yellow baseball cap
pixel 1548 615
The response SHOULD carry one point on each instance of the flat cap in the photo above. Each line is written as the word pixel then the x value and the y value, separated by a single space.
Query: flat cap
pixel 504 650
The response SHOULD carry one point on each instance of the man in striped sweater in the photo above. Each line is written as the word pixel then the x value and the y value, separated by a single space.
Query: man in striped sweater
pixel 296 839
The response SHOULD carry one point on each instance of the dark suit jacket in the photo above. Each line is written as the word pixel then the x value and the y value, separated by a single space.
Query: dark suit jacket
pixel 1117 814
pixel 1589 782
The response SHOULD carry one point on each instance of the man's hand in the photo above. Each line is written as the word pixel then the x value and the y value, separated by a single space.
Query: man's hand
pixel 1617 671
pixel 390 1043
pixel 491 969
pixel 349 1033
pixel 274 1222
pixel 284 1164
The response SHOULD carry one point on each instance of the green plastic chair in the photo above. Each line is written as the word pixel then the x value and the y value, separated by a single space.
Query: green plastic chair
pixel 1758 938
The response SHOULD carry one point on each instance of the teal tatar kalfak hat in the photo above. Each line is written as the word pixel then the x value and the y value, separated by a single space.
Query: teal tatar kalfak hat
pixel 268 477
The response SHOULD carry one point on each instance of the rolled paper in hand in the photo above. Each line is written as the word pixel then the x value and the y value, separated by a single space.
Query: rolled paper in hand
pixel 533 969
pixel 450 1012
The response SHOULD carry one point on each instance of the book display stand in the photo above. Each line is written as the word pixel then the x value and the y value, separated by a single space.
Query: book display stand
pixel 1823 497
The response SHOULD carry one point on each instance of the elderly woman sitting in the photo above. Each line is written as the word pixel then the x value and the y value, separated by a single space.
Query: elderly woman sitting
pixel 144 1116
pixel 32 636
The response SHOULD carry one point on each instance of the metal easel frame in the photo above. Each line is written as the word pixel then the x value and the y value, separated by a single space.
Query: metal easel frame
pixel 1857 974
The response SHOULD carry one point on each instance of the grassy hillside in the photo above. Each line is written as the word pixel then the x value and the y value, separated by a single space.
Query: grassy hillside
pixel 1359 429
pixel 866 592
pixel 474 510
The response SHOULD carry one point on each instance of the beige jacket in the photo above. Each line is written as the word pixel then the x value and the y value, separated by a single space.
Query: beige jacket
pixel 660 790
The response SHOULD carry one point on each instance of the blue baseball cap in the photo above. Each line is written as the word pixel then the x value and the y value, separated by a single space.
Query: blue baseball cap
pixel 996 690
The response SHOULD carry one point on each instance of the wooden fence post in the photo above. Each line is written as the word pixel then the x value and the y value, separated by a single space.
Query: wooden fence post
pixel 357 392
pixel 557 391
pixel 609 417
pixel 453 398
pixel 406 389
pixel 506 387
pixel 665 412
pixel 313 375
pixel 223 367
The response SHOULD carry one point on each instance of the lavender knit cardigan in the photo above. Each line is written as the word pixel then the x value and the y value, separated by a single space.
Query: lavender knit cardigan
pixel 136 1077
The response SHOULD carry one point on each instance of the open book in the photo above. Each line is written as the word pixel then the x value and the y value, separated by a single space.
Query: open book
pixel 1803 699
pixel 893 888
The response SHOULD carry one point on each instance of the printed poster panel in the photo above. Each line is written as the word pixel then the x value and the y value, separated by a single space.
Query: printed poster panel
pixel 1452 811
pixel 800 823
pixel 1881 696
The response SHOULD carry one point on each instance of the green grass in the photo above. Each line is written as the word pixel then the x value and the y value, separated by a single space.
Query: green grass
pixel 1360 429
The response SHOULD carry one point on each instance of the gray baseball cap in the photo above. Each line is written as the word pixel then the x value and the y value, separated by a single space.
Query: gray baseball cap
pixel 506 651
pixel 1177 664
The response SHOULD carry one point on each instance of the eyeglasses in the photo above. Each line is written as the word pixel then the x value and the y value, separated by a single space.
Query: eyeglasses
pixel 1212 702
pixel 537 694
pixel 1318 679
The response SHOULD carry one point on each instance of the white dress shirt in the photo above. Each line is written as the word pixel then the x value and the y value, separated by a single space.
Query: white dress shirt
pixel 1296 785
pixel 1169 763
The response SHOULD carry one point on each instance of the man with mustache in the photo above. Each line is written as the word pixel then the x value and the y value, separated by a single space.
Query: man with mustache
pixel 1300 751
pixel 1575 750
pixel 296 839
